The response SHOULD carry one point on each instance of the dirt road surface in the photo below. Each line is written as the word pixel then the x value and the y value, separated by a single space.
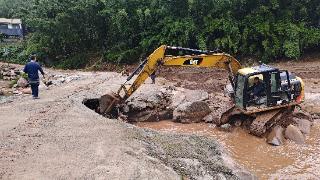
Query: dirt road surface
pixel 57 137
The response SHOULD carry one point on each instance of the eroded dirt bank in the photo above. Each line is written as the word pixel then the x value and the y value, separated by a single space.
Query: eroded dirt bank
pixel 57 137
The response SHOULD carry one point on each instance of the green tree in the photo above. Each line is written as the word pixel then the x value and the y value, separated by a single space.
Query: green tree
pixel 128 30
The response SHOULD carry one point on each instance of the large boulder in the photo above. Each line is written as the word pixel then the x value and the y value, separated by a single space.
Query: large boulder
pixel 219 104
pixel 153 103
pixel 22 82
pixel 151 99
pixel 293 133
pixel 181 96
pixel 191 112
pixel 303 124
pixel 276 137
pixel 148 105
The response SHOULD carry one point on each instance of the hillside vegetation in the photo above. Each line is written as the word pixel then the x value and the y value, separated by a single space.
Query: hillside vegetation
pixel 125 31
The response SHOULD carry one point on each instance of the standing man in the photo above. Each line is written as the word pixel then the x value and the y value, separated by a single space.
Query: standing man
pixel 32 69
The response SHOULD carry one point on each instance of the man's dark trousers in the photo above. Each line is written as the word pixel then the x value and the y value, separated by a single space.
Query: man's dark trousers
pixel 35 88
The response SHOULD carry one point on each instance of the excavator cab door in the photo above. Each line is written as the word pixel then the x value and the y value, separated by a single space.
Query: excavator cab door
pixel 275 93
pixel 239 95
pixel 285 86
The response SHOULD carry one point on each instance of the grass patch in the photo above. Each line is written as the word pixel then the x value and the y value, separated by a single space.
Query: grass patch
pixel 13 82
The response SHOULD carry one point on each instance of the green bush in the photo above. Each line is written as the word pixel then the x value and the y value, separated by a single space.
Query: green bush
pixel 73 62
pixel 122 57
pixel 13 53
pixel 129 30
pixel 13 82
pixel 2 37
pixel 24 75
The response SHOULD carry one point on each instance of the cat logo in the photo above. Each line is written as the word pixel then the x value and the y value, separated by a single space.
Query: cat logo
pixel 193 62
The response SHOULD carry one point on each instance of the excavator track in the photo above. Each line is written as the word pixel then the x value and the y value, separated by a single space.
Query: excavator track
pixel 265 120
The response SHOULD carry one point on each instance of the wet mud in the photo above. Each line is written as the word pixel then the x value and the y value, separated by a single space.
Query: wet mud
pixel 265 161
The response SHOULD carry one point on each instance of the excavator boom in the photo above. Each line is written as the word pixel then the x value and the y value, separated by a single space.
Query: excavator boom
pixel 163 57
pixel 191 58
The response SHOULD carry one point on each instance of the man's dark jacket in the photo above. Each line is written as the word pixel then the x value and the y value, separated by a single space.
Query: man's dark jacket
pixel 32 69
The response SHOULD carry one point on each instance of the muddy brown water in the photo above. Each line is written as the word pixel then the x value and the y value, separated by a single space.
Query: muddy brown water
pixel 290 161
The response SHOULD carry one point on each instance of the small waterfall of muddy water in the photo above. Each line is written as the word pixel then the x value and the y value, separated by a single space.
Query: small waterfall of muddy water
pixel 290 161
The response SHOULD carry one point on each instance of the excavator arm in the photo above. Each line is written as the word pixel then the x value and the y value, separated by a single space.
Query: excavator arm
pixel 162 57
pixel 189 57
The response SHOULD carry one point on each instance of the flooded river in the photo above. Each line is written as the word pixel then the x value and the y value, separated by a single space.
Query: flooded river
pixel 290 161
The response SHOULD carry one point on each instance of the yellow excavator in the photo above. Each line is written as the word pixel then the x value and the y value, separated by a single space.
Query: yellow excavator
pixel 282 90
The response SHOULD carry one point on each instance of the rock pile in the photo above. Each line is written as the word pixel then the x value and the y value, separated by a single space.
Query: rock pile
pixel 59 79
pixel 158 103
pixel 9 73
pixel 16 83
pixel 296 131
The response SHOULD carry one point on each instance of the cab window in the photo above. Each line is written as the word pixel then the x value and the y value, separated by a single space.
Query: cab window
pixel 239 90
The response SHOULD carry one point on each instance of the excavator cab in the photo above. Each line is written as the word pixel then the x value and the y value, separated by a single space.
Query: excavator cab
pixel 279 88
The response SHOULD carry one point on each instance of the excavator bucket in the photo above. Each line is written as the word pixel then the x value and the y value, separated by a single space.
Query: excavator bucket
pixel 108 102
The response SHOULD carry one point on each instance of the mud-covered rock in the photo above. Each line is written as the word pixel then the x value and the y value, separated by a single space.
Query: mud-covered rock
pixel 219 104
pixel 303 124
pixel 181 96
pixel 22 82
pixel 159 103
pixel 148 105
pixel 191 112
pixel 276 137
pixel 293 133
pixel 151 99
